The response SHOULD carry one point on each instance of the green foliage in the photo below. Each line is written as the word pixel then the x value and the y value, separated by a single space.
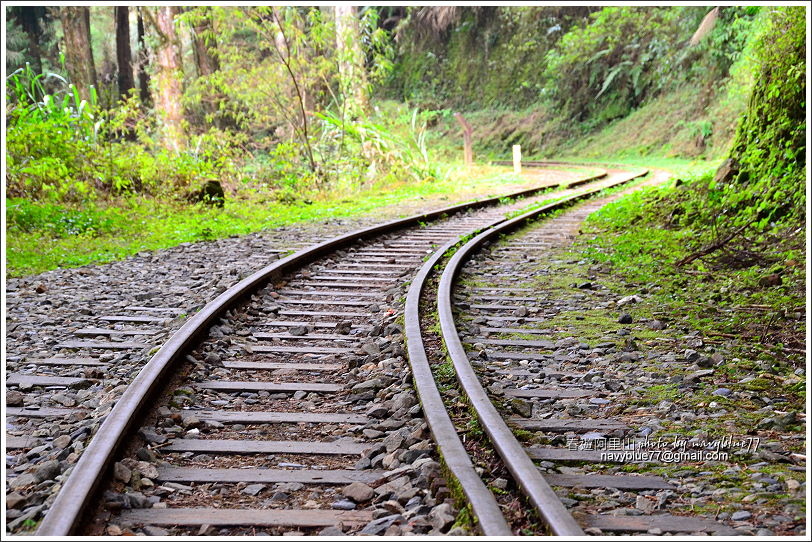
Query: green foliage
pixel 370 150
pixel 61 148
pixel 622 56
pixel 57 220
pixel 16 45
pixel 39 239
pixel 770 143
pixel 489 57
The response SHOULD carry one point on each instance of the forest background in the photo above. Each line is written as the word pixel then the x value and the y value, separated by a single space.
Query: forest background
pixel 132 128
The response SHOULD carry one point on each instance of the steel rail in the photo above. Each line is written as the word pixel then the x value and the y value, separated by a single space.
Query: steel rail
pixel 545 163
pixel 483 503
pixel 524 471
pixel 77 492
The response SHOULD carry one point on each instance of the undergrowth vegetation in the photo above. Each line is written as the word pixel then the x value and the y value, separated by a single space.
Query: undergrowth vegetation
pixel 45 235
pixel 607 81
pixel 727 248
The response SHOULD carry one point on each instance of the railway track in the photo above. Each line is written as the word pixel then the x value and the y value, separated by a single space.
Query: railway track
pixel 519 378
pixel 285 406
pixel 295 334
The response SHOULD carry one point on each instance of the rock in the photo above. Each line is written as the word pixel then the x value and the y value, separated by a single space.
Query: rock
pixel 521 312
pixel 629 299
pixel 298 330
pixel 15 500
pixel 62 442
pixel 441 516
pixel 403 400
pixel 726 172
pixel 14 398
pixel 371 384
pixel 358 492
pixel 741 515
pixel 253 489
pixel 152 530
pixel 145 469
pixel 522 407
pixel 625 318
pixel 696 375
pixel 691 355
pixel 724 392
pixel 768 281
pixel 379 412
pixel 380 525
pixel 333 530
pixel 343 504
pixel 393 441
pixel 599 401
pixel 585 286
pixel 47 471
pixel 656 325
pixel 151 436
pixel 191 421
pixel 122 473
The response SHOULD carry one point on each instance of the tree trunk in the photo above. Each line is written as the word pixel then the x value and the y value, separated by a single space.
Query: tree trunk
pixel 169 74
pixel 204 41
pixel 78 54
pixel 29 21
pixel 123 53
pixel 143 76
pixel 351 70
pixel 467 139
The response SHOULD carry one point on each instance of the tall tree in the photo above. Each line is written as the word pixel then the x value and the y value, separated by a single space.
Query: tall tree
pixel 143 76
pixel 123 52
pixel 168 77
pixel 204 42
pixel 351 60
pixel 78 53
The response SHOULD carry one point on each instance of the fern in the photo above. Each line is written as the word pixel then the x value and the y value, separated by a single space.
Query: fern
pixel 611 76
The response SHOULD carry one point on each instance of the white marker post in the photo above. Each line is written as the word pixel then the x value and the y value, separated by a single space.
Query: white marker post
pixel 517 159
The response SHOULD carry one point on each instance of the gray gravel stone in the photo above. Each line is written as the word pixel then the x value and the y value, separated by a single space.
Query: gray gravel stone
pixel 741 515
pixel 625 318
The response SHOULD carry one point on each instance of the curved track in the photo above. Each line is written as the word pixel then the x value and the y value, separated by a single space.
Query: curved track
pixel 394 247
pixel 509 310
pixel 286 402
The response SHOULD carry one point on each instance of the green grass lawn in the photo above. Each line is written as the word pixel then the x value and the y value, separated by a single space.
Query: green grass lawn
pixel 43 236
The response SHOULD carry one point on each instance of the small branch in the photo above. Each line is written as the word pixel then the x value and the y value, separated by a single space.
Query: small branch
pixel 710 248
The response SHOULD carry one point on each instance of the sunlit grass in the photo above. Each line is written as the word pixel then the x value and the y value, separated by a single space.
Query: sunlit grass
pixel 44 239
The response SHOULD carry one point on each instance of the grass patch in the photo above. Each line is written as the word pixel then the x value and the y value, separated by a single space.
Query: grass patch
pixel 44 236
